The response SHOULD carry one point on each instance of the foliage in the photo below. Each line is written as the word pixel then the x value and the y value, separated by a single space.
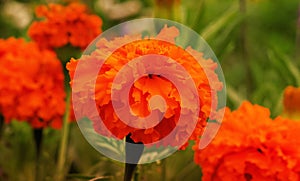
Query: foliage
pixel 254 40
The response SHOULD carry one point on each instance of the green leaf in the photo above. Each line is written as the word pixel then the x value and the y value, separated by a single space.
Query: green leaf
pixel 220 22
pixel 90 178
pixel 284 64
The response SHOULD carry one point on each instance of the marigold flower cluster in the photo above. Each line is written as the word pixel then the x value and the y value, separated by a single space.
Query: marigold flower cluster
pixel 32 84
pixel 61 25
pixel 146 87
pixel 252 146
pixel 291 102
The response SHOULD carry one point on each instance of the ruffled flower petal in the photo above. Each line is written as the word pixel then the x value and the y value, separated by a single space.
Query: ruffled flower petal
pixel 151 85
pixel 62 25
pixel 252 146
pixel 32 87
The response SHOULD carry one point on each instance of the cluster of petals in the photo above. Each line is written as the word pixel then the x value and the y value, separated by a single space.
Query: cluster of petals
pixel 291 102
pixel 147 86
pixel 252 146
pixel 60 25
pixel 32 84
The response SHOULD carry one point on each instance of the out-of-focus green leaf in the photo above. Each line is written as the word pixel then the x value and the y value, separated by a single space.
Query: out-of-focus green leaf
pixel 219 23
pixel 234 96
pixel 285 65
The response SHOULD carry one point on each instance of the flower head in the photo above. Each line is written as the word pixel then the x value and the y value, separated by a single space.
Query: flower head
pixel 62 25
pixel 148 86
pixel 252 146
pixel 291 102
pixel 32 87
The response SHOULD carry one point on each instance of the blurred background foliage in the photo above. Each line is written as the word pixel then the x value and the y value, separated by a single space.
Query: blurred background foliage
pixel 257 43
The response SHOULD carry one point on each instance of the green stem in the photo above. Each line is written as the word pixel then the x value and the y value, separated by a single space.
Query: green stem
pixel 234 96
pixel 164 169
pixel 38 140
pixel 176 11
pixel 129 170
pixel 1 124
pixel 198 13
pixel 133 154
pixel 64 140
pixel 168 9
pixel 137 174
pixel 298 38
pixel 243 45
pixel 186 171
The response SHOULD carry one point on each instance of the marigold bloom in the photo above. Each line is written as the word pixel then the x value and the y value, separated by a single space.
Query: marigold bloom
pixel 32 84
pixel 252 146
pixel 146 87
pixel 291 102
pixel 62 25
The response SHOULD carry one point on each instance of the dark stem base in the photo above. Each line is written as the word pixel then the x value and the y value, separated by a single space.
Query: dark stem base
pixel 1 124
pixel 129 171
pixel 133 154
pixel 38 137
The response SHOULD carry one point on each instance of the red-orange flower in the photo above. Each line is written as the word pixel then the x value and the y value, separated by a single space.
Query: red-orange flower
pixel 291 102
pixel 148 86
pixel 252 146
pixel 32 84
pixel 62 25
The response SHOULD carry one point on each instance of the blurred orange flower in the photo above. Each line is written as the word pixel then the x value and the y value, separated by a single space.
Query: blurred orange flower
pixel 146 87
pixel 291 103
pixel 61 25
pixel 252 146
pixel 32 84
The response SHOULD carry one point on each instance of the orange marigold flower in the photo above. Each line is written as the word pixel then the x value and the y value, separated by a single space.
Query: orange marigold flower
pixel 291 103
pixel 252 146
pixel 32 87
pixel 62 25
pixel 148 86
